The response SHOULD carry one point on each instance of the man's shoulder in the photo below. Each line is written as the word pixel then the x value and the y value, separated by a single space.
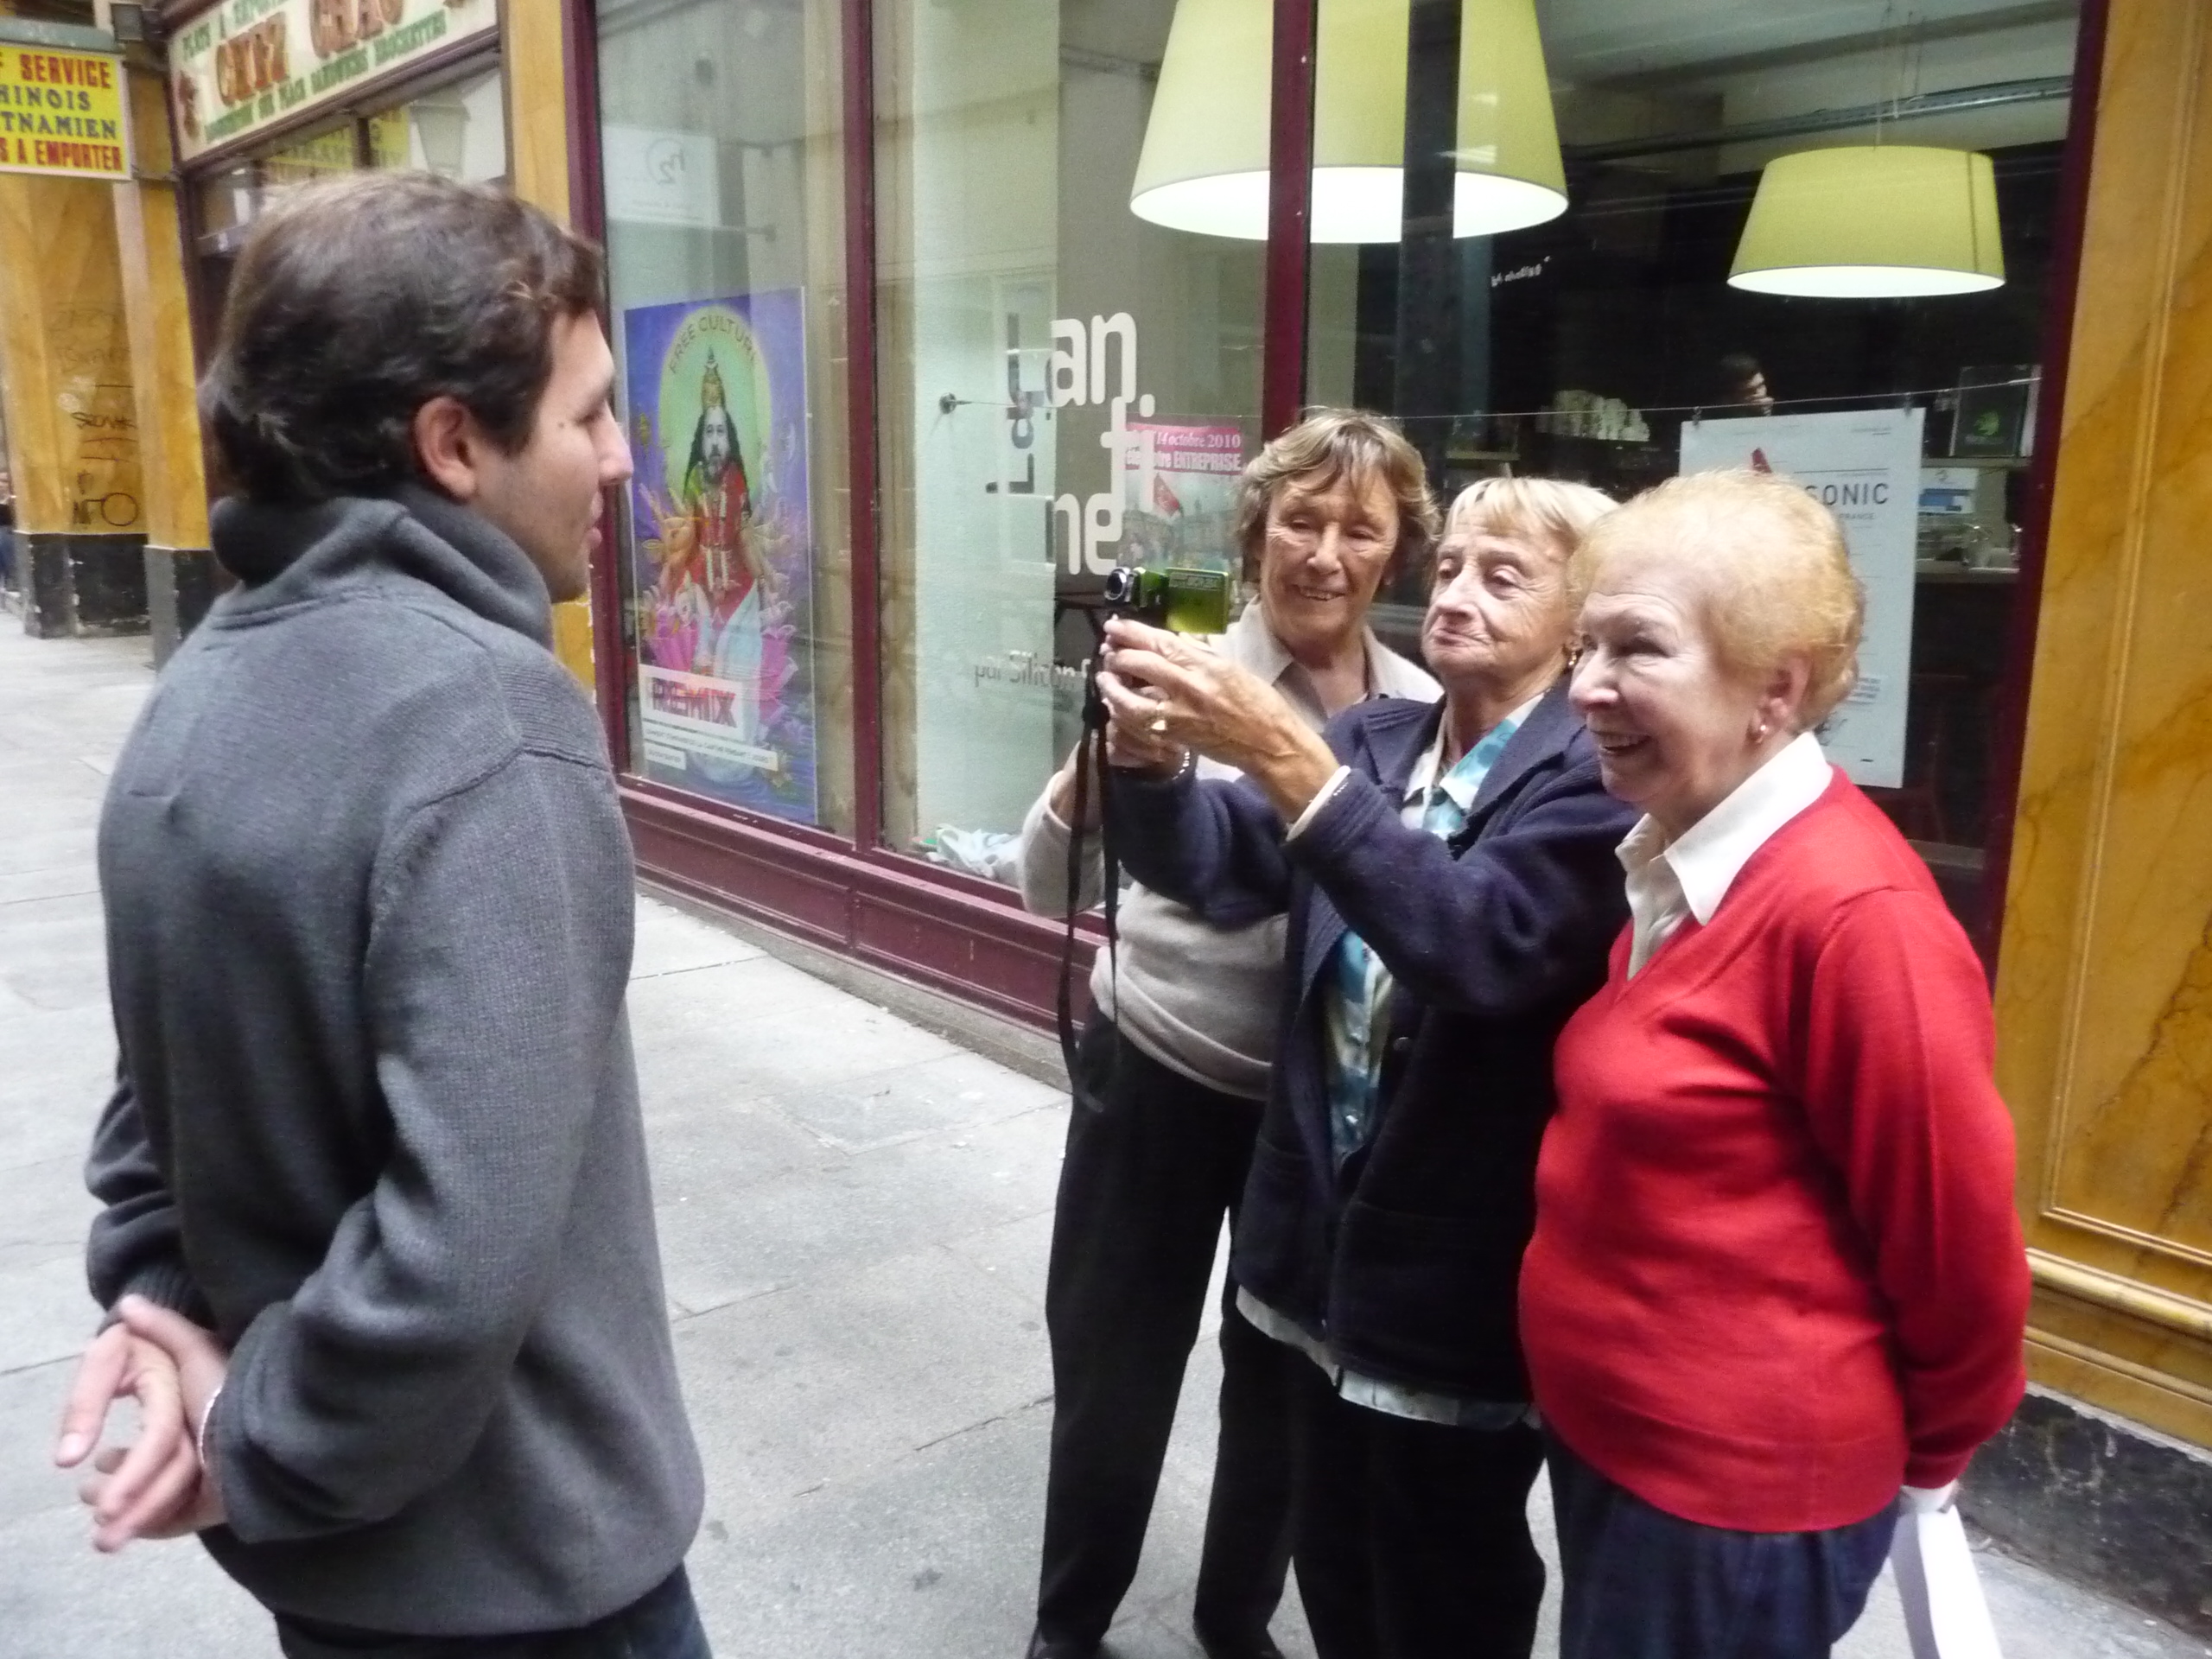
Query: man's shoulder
pixel 378 692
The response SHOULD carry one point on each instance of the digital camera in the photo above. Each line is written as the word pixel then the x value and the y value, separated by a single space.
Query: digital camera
pixel 1182 601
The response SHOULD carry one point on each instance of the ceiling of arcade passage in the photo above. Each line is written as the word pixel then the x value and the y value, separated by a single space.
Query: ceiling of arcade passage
pixel 1622 73
pixel 1619 73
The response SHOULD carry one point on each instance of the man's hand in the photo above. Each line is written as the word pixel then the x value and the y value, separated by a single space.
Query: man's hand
pixel 154 1487
pixel 1201 699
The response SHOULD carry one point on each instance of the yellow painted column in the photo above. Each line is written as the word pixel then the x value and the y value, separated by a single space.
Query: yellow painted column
pixel 2104 992
pixel 71 416
pixel 537 102
pixel 180 572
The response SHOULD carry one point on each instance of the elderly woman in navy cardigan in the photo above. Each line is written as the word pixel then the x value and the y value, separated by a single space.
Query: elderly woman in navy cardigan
pixel 1449 875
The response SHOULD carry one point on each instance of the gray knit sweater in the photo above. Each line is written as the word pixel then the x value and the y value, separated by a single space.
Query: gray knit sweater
pixel 369 916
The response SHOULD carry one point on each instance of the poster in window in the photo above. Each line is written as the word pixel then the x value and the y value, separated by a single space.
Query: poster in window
pixel 1994 419
pixel 721 550
pixel 1865 466
pixel 1183 505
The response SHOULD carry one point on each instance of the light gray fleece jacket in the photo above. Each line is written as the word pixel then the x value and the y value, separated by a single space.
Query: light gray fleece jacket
pixel 369 918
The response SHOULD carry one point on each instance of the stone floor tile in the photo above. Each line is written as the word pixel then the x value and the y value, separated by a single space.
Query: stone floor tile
pixel 850 1372
pixel 860 1114
pixel 30 1417
pixel 670 940
pixel 59 1599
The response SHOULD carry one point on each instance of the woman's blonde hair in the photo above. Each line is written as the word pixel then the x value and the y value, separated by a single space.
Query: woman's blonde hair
pixel 1552 512
pixel 1788 587
pixel 1338 443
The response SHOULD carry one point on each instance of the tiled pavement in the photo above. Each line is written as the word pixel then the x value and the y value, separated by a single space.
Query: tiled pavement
pixel 854 1211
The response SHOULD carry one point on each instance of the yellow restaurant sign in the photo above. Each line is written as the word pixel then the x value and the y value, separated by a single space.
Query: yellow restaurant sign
pixel 61 113
pixel 250 64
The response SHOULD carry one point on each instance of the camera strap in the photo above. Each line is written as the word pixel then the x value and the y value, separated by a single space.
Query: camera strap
pixel 1091 759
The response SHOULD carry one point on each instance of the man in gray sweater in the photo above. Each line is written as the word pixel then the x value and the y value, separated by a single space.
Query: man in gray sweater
pixel 374 1171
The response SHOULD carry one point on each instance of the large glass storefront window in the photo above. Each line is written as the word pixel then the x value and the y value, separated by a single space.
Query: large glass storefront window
pixel 1739 235
pixel 1065 385
pixel 721 158
pixel 456 126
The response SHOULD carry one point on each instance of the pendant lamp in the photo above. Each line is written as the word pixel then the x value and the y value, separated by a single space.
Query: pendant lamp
pixel 1872 222
pixel 1204 163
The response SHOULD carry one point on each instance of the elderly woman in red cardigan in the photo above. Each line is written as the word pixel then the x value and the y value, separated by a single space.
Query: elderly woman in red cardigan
pixel 1777 1276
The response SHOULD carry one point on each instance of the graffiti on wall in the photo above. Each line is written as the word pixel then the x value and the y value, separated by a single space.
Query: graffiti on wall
pixel 98 446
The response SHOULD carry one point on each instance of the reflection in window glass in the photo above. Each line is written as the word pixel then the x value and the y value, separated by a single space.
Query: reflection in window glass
pixel 319 157
pixel 1608 344
pixel 457 131
pixel 1064 387
pixel 721 161
pixel 224 202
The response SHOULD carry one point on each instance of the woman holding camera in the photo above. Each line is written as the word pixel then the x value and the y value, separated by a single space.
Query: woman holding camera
pixel 1777 1274
pixel 1176 1060
pixel 1448 875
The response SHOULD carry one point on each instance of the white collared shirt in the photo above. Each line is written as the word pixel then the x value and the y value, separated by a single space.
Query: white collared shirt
pixel 1692 875
pixel 1250 643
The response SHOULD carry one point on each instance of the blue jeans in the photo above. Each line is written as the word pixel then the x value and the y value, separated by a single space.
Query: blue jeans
pixel 663 1624
pixel 1642 1584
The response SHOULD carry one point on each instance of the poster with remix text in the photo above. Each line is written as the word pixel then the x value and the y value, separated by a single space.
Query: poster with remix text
pixel 721 550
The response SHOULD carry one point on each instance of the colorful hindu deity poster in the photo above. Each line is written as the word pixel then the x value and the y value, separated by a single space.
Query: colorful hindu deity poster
pixel 721 550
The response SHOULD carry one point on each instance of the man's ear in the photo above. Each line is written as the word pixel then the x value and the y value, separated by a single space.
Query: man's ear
pixel 450 446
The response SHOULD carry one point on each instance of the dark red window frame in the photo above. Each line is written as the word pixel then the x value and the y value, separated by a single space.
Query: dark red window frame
pixel 967 937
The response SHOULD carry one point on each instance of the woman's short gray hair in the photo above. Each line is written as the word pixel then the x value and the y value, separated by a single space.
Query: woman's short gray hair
pixel 1335 443
pixel 1790 590
pixel 1551 511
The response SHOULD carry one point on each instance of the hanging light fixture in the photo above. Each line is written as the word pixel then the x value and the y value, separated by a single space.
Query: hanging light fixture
pixel 1872 222
pixel 1205 163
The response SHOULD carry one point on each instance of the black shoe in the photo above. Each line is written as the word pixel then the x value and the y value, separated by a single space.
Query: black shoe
pixel 1043 1647
pixel 1259 1646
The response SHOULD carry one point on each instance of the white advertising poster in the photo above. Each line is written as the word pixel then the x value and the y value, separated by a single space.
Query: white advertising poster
pixel 654 177
pixel 1865 466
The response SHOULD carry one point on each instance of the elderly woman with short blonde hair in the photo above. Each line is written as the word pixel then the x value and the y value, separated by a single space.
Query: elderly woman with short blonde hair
pixel 1446 868
pixel 1777 1276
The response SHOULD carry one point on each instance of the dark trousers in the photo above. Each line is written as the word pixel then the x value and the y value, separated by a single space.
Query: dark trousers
pixel 1642 1584
pixel 1413 1537
pixel 1147 1182
pixel 663 1624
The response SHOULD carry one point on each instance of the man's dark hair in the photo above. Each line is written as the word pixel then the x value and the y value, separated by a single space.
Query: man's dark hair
pixel 1732 374
pixel 357 301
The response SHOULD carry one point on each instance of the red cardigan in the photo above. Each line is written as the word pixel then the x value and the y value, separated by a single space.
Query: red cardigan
pixel 1776 1270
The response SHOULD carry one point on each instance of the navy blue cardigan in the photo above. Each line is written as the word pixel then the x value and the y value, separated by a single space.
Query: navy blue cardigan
pixel 1406 1259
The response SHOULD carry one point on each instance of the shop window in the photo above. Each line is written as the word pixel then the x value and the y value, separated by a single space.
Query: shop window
pixel 1065 386
pixel 458 130
pixel 308 159
pixel 1602 337
pixel 722 160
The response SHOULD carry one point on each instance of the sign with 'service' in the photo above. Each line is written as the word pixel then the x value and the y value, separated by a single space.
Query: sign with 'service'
pixel 61 113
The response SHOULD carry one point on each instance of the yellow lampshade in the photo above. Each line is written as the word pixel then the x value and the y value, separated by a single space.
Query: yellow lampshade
pixel 1873 222
pixel 1204 164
